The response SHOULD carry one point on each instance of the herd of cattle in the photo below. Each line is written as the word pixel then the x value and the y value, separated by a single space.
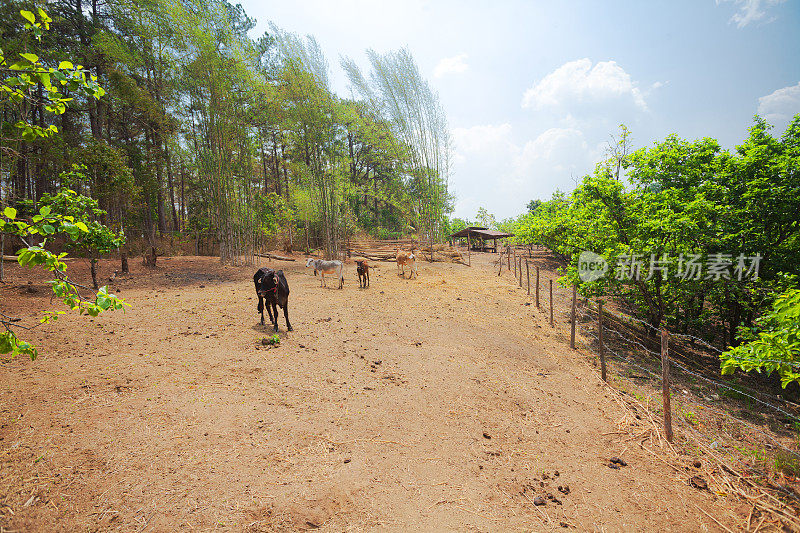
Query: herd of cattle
pixel 273 289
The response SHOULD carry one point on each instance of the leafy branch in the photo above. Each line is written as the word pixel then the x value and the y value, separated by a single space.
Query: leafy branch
pixel 45 223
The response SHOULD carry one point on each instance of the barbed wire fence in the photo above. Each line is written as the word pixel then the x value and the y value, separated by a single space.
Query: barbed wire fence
pixel 625 344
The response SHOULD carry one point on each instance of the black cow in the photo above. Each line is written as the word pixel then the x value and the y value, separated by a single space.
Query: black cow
pixel 271 286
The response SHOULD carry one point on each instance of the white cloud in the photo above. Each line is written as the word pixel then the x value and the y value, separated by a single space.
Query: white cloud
pixel 579 83
pixel 493 170
pixel 779 107
pixel 554 144
pixel 488 138
pixel 751 11
pixel 451 65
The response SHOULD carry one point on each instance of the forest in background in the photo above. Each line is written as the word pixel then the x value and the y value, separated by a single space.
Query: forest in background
pixel 205 133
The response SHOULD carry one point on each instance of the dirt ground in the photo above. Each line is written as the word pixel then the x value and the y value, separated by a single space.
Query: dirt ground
pixel 443 403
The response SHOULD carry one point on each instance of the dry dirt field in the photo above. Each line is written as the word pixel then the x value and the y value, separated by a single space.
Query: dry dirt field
pixel 442 403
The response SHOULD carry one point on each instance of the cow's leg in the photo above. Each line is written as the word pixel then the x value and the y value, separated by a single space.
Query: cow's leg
pixel 275 309
pixel 270 304
pixel 261 308
pixel 366 274
pixel 286 316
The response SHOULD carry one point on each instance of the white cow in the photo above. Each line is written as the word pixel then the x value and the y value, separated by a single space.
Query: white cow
pixel 327 267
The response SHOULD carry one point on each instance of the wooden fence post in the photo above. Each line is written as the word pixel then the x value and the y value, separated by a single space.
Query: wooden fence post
pixel 515 263
pixel 537 286
pixel 508 249
pixel 600 341
pixel 469 250
pixel 551 303
pixel 572 317
pixel 520 271
pixel 528 273
pixel 665 384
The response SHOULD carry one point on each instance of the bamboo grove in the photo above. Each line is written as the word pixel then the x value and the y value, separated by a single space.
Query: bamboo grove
pixel 208 134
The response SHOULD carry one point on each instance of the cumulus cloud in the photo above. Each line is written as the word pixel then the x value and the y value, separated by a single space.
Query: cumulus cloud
pixel 780 106
pixel 483 139
pixel 493 170
pixel 556 145
pixel 451 65
pixel 751 11
pixel 578 83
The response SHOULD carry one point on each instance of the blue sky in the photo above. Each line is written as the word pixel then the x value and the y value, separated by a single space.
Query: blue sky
pixel 533 90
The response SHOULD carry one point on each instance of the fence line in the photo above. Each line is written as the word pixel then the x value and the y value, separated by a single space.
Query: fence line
pixel 585 314
pixel 739 388
pixel 628 361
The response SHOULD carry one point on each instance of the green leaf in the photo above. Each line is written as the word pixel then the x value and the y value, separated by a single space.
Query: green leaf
pixel 65 65
pixel 45 18
pixel 10 213
pixel 27 15
pixel 83 227
pixel 33 58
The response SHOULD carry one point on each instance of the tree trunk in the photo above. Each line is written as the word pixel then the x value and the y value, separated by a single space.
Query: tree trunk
pixel 93 266
pixel 175 224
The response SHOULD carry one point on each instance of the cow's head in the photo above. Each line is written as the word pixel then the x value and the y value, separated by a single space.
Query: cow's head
pixel 267 284
pixel 310 262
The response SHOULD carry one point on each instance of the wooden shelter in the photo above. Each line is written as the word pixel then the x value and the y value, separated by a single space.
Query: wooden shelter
pixel 479 236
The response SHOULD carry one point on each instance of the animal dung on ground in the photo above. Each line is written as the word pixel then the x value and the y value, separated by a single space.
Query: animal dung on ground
pixel 617 460
pixel 698 482
pixel 486 435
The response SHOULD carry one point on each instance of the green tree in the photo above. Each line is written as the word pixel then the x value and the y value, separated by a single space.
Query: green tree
pixel 484 218
pixel 533 205
pixel 773 345
pixel 45 221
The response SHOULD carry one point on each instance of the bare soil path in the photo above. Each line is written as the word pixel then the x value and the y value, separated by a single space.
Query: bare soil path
pixel 440 403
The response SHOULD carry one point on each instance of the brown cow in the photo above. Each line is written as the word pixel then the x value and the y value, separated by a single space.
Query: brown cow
pixel 363 273
pixel 407 258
